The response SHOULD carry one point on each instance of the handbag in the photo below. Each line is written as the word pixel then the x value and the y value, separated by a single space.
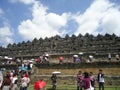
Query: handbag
pixel 24 84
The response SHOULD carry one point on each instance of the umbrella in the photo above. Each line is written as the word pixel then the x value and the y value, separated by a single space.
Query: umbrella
pixel 75 55
pixel 31 61
pixel 10 58
pixel 38 85
pixel 90 56
pixel 47 55
pixel 6 57
pixel 56 72
pixel 61 58
pixel 25 61
pixel 81 53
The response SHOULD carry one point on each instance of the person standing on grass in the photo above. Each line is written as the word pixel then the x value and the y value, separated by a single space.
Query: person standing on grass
pixel 40 85
pixel 54 81
pixel 6 82
pixel 86 81
pixel 14 81
pixel 101 80
pixel 79 80
pixel 25 80
pixel 92 80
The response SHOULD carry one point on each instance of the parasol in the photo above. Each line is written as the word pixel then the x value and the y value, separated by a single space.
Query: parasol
pixel 90 56
pixel 61 58
pixel 81 53
pixel 56 72
pixel 75 55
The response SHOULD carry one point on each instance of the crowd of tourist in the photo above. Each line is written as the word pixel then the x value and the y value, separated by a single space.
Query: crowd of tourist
pixel 9 81
pixel 17 79
pixel 86 81
pixel 117 57
pixel 75 58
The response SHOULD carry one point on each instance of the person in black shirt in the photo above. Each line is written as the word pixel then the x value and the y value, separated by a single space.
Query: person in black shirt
pixel 54 81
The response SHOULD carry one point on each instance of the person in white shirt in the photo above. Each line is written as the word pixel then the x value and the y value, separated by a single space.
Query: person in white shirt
pixel 14 82
pixel 101 80
pixel 1 78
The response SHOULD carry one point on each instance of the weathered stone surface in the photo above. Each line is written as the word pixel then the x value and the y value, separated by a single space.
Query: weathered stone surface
pixel 98 46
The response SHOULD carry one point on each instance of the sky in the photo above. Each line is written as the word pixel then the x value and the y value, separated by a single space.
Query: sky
pixel 23 20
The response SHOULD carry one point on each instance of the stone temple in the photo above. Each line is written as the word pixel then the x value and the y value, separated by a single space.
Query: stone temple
pixel 98 46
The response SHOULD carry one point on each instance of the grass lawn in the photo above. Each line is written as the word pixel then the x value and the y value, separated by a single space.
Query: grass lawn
pixel 73 87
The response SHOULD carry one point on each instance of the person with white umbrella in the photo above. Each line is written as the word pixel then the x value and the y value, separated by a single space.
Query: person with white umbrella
pixel 54 81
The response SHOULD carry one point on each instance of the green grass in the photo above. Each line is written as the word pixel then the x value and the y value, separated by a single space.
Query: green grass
pixel 73 87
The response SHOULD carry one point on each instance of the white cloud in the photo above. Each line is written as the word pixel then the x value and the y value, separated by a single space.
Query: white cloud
pixel 42 24
pixel 101 17
pixel 111 22
pixel 22 1
pixel 5 35
pixel 27 1
pixel 56 20
pixel 5 32
pixel 101 14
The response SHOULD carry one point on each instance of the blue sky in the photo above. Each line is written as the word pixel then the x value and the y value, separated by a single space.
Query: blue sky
pixel 23 20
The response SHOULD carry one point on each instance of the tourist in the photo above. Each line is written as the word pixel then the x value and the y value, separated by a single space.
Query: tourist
pixel 75 57
pixel 11 75
pixel 46 58
pixel 14 82
pixel 40 85
pixel 24 69
pixel 54 81
pixel 6 82
pixel 79 80
pixel 61 59
pixel 109 56
pixel 30 66
pixel 101 80
pixel 90 58
pixel 86 81
pixel 1 78
pixel 25 80
pixel 117 57
pixel 92 80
